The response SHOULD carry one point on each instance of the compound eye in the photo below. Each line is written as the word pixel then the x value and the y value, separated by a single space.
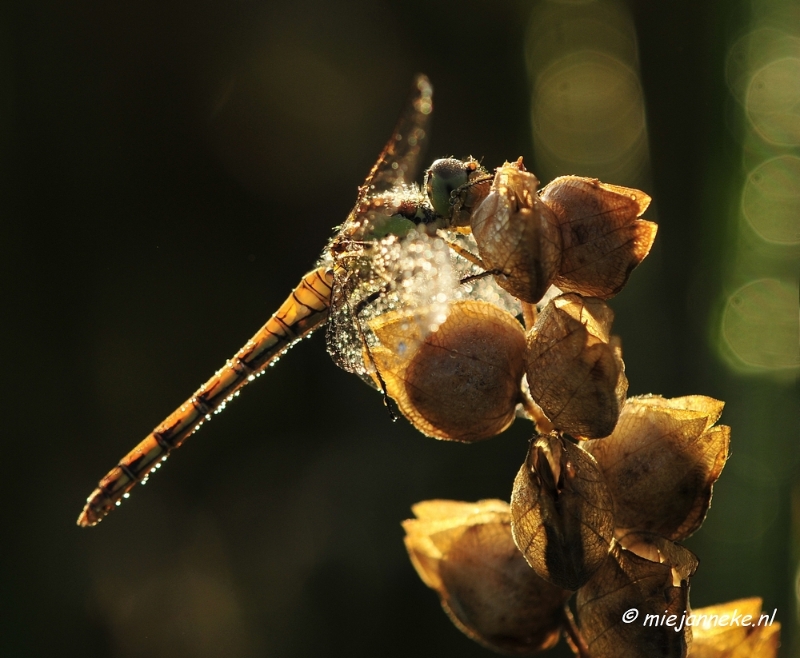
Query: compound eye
pixel 443 177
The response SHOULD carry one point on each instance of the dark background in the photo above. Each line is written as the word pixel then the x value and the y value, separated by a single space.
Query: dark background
pixel 168 171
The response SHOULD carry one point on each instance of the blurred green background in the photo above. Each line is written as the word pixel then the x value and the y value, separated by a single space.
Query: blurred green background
pixel 168 171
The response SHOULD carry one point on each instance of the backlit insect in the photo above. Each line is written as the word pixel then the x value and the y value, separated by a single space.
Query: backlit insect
pixel 384 257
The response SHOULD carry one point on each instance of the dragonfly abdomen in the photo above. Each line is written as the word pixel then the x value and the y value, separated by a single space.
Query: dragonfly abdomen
pixel 304 310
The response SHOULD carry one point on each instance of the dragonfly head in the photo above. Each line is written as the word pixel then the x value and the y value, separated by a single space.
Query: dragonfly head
pixel 447 180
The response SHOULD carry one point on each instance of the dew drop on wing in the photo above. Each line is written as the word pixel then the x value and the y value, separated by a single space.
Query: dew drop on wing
pixel 413 275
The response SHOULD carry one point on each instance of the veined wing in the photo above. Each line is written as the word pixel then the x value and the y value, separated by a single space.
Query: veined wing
pixel 352 251
pixel 398 163
pixel 304 310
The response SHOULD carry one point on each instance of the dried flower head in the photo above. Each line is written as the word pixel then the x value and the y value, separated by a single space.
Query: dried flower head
pixel 598 516
pixel 465 552
pixel 661 462
pixel 461 382
pixel 562 512
pixel 752 637
pixel 602 239
pixel 574 367
pixel 517 235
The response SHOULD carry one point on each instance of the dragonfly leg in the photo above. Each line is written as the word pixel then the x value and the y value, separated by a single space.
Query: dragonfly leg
pixel 461 251
pixel 480 275
pixel 472 258
pixel 387 401
pixel 368 300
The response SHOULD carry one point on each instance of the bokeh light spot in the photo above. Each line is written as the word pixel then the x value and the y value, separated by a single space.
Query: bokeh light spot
pixel 773 102
pixel 754 51
pixel 588 118
pixel 771 199
pixel 587 107
pixel 761 325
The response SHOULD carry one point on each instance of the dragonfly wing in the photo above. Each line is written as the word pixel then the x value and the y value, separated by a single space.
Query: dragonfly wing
pixel 399 162
pixel 344 338
pixel 379 197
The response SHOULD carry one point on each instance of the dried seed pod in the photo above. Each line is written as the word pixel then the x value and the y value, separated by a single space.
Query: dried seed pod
pixel 602 239
pixel 658 549
pixel 465 552
pixel 736 629
pixel 517 235
pixel 634 606
pixel 574 367
pixel 661 463
pixel 561 509
pixel 461 382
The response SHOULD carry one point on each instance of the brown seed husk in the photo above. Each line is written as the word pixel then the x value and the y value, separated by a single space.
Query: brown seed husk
pixel 517 234
pixel 574 367
pixel 626 581
pixel 465 552
pixel 661 462
pixel 461 382
pixel 715 636
pixel 602 239
pixel 562 512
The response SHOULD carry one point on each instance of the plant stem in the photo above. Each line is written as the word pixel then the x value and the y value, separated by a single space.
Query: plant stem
pixel 535 413
pixel 529 314
pixel 573 635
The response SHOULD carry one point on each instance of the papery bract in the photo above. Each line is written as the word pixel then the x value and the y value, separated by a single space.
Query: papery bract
pixel 752 638
pixel 561 508
pixel 517 235
pixel 460 382
pixel 574 367
pixel 661 462
pixel 465 552
pixel 602 239
pixel 658 592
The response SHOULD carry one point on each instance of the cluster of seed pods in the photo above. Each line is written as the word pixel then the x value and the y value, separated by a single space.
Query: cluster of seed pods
pixel 464 381
pixel 609 484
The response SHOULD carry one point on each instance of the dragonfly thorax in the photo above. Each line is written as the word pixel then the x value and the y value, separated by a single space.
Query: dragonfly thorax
pixel 394 213
pixel 422 215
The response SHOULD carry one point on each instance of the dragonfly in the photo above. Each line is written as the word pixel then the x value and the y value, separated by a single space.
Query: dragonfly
pixel 383 257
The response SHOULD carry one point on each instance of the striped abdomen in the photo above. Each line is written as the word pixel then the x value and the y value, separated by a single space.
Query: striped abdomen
pixel 303 311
